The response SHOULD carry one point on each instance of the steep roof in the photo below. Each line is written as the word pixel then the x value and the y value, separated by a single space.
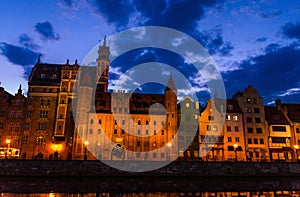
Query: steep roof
pixel 274 116
pixel 293 111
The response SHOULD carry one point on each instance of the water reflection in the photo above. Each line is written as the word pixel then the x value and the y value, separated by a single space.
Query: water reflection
pixel 165 194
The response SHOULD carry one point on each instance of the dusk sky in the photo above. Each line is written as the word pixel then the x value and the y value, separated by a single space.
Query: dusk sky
pixel 252 42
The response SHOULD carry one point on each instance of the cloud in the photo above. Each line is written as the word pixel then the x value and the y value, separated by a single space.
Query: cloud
pixel 272 72
pixel 291 30
pixel 180 15
pixel 27 42
pixel 213 41
pixel 269 14
pixel 19 55
pixel 262 39
pixel 46 31
pixel 290 91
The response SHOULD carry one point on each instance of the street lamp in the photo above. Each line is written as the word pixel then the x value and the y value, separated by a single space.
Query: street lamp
pixel 86 143
pixel 296 150
pixel 7 141
pixel 235 147
pixel 169 144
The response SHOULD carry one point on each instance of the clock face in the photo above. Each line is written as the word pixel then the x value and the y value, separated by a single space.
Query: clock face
pixel 187 105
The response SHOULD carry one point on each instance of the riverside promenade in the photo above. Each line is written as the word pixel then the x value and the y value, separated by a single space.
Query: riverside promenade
pixel 27 176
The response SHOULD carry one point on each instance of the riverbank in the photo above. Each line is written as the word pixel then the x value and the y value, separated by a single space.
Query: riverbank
pixel 46 168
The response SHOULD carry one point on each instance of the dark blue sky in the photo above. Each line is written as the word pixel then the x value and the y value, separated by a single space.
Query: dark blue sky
pixel 252 42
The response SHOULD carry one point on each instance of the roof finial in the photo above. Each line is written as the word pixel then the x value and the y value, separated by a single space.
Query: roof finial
pixel 104 42
pixel 39 59
pixel 76 61
pixel 67 61
pixel 20 89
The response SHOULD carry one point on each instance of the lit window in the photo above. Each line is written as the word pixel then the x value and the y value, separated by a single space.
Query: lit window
pixel 227 117
pixel 235 118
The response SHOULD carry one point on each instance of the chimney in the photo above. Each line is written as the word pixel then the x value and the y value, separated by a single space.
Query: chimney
pixel 278 104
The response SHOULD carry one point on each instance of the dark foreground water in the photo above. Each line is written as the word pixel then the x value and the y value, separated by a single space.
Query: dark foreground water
pixel 149 186
pixel 163 194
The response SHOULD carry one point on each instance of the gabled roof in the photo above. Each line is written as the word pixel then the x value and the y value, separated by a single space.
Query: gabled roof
pixel 274 116
pixel 293 111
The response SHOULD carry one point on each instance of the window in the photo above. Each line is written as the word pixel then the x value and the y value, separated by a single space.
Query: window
pixel 249 141
pixel 24 139
pixel 27 125
pixel 261 141
pixel 138 143
pixel 255 141
pixel 215 127
pixel 43 76
pixel 19 114
pixel 116 122
pixel 259 130
pixel 211 117
pixel 42 102
pixel 12 114
pixel 43 114
pixel 235 118
pixel 162 123
pixel 229 139
pixel 139 132
pixel 120 109
pixel 48 102
pixel 40 141
pixel 100 121
pixel 248 110
pixel 54 76
pixel 154 122
pixel 257 120
pixel 249 120
pixel 154 155
pixel 250 130
pixel 162 132
pixel 147 132
pixel 229 128
pixel 154 132
pixel 279 128
pixel 28 114
pixel 115 131
pixel 162 155
pixel 10 126
pixel 1 125
pixel 227 117
pixel 187 118
pixel 91 121
pixel 123 131
pixel 91 131
pixel 237 139
pixel 139 122
pixel 41 126
pixel 297 130
pixel 208 128
pixel 236 129
pixel 256 110
pixel 230 107
pixel 254 100
pixel 17 127
pixel 248 100
pixel 147 122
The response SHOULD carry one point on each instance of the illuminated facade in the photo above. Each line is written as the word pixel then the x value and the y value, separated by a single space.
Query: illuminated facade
pixel 136 126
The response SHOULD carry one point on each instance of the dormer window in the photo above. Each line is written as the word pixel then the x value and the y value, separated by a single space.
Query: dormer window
pixel 54 76
pixel 230 107
pixel 43 76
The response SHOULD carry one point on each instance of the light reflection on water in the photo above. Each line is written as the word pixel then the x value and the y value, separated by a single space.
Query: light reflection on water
pixel 164 194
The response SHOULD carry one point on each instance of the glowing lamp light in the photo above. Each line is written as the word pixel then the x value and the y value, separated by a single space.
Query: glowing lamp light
pixel 296 146
pixel 8 141
pixel 56 147
pixel 235 145
pixel 169 144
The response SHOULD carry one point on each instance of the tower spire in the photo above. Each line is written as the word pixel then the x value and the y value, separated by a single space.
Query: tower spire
pixel 104 41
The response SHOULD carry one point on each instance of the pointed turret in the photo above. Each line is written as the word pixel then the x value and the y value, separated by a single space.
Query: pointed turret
pixel 103 67
pixel 20 90
pixel 171 85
